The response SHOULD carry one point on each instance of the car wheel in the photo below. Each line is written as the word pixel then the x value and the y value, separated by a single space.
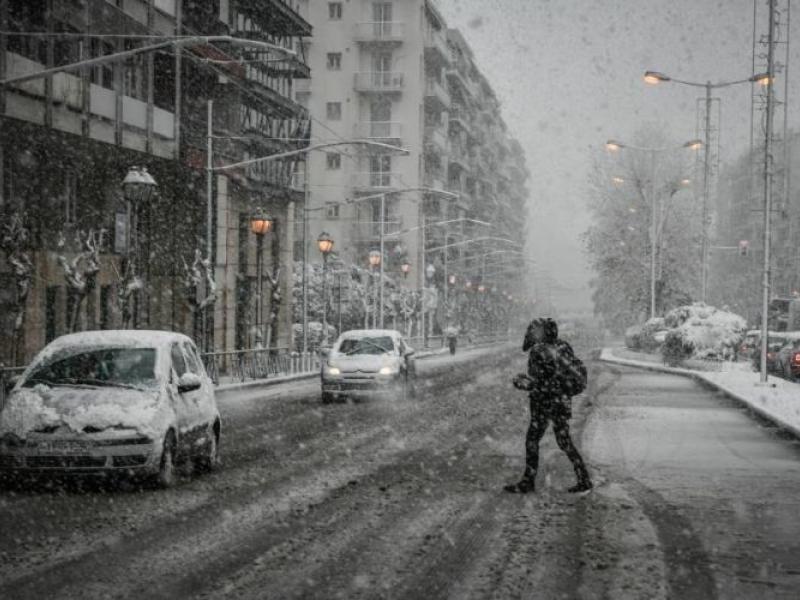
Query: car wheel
pixel 210 459
pixel 327 398
pixel 165 478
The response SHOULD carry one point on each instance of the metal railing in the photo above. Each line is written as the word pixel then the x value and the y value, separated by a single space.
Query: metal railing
pixel 380 130
pixel 380 31
pixel 260 363
pixel 379 81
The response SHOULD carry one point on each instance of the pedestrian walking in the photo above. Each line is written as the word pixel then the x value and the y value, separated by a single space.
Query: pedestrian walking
pixel 554 375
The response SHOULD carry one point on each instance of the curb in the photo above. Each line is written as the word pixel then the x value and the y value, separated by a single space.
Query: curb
pixel 700 378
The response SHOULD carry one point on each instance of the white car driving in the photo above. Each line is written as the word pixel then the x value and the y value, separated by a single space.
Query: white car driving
pixel 369 362
pixel 132 402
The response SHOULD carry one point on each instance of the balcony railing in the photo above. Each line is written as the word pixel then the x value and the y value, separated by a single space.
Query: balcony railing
pixel 379 81
pixel 298 182
pixel 388 131
pixel 434 89
pixel 458 154
pixel 376 180
pixel 437 43
pixel 457 115
pixel 436 138
pixel 434 181
pixel 380 31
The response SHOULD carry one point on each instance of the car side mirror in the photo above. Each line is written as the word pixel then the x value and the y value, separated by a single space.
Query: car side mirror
pixel 188 383
pixel 410 352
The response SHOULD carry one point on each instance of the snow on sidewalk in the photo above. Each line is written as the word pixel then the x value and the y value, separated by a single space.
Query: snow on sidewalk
pixel 778 400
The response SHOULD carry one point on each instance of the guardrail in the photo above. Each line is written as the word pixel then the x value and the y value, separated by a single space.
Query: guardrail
pixel 261 363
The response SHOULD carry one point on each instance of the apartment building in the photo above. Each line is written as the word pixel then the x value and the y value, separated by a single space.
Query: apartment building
pixel 392 72
pixel 67 141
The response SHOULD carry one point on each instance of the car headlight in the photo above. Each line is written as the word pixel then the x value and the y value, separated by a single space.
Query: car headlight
pixel 333 370
pixel 387 371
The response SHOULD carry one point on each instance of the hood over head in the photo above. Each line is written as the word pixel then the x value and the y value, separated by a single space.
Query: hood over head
pixel 549 333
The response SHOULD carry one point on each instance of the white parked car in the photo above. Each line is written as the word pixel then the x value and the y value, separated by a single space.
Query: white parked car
pixel 369 362
pixel 99 402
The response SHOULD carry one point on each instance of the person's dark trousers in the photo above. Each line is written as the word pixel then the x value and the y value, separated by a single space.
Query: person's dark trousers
pixel 559 416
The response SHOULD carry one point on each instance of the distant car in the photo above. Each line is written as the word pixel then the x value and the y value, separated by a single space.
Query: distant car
pixel 101 402
pixel 748 347
pixel 788 360
pixel 369 362
pixel 775 341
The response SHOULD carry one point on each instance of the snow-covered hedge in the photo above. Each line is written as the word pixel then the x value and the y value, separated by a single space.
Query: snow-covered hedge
pixel 703 331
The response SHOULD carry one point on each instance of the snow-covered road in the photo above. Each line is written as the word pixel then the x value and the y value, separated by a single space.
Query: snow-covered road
pixel 403 500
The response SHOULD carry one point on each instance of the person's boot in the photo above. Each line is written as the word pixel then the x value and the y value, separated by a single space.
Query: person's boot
pixel 584 485
pixel 523 486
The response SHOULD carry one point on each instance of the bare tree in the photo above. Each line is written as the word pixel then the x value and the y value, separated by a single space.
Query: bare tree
pixel 15 242
pixel 81 272
pixel 200 291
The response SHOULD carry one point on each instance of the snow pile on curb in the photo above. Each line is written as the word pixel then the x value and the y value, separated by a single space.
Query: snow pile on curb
pixel 777 401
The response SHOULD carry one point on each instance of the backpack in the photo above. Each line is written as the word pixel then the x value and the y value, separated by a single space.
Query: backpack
pixel 571 373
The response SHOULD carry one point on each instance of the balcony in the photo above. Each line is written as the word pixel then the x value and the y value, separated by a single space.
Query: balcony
pixel 380 32
pixel 435 139
pixel 379 81
pixel 457 155
pixel 436 46
pixel 376 181
pixel 457 116
pixel 298 182
pixel 434 181
pixel 437 92
pixel 387 132
pixel 459 79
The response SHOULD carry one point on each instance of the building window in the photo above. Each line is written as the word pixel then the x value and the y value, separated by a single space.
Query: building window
pixel 103 74
pixel 334 111
pixel 335 11
pixel 332 211
pixel 334 61
pixel 380 170
pixel 134 74
pixel 333 160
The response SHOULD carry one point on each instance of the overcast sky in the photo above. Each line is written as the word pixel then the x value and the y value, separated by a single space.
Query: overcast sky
pixel 569 76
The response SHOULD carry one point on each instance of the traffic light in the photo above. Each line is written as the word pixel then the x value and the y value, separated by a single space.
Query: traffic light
pixel 744 248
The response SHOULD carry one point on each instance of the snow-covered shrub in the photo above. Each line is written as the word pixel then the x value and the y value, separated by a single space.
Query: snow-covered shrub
pixel 704 331
pixel 675 350
pixel 649 341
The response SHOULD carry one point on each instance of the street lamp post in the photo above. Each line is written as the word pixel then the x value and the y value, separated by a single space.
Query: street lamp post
pixel 614 146
pixel 325 245
pixel 138 188
pixel 375 260
pixel 654 78
pixel 260 225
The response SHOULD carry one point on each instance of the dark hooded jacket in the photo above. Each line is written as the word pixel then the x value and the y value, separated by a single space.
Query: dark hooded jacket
pixel 543 360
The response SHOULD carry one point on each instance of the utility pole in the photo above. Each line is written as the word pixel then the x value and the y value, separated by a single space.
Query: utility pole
pixel 767 194
pixel 706 177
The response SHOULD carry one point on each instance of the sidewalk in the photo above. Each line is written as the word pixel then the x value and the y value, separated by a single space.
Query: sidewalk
pixel 272 381
pixel 777 401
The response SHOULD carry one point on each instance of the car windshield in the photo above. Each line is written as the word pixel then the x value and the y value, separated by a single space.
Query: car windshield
pixel 121 367
pixel 367 345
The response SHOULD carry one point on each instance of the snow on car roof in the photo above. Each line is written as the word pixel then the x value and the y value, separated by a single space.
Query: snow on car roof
pixel 360 333
pixel 121 337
